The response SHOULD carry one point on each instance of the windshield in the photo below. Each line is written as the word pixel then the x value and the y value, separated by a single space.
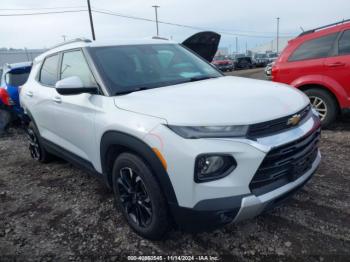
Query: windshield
pixel 17 77
pixel 135 67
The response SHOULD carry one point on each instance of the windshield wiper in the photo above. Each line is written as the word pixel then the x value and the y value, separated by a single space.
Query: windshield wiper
pixel 125 92
pixel 194 79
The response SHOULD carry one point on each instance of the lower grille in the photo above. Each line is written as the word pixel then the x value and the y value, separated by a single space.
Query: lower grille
pixel 285 164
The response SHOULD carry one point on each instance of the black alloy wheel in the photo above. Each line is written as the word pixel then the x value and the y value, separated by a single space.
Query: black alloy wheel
pixel 134 197
pixel 34 147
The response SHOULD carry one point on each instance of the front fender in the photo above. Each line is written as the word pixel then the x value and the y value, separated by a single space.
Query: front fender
pixel 115 138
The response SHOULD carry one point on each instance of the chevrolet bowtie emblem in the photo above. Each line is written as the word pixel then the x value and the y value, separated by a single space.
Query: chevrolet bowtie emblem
pixel 294 120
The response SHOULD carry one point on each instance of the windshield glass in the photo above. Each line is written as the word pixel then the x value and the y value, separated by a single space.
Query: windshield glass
pixel 134 67
pixel 17 77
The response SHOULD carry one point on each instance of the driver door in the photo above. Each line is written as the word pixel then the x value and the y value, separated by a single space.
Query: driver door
pixel 75 114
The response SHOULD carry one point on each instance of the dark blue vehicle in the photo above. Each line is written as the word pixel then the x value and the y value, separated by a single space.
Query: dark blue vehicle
pixel 12 77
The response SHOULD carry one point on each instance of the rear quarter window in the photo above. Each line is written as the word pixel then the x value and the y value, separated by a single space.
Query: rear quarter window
pixel 48 73
pixel 314 48
pixel 344 43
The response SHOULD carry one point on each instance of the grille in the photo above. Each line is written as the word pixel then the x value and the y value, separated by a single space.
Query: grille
pixel 285 164
pixel 275 126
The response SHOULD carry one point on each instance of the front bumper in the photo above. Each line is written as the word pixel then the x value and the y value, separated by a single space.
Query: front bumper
pixel 224 67
pixel 210 214
pixel 211 204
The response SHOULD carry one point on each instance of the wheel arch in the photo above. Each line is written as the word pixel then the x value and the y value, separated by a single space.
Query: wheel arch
pixel 325 83
pixel 28 117
pixel 321 87
pixel 113 143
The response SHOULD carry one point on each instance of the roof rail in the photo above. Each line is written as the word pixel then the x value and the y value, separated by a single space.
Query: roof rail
pixel 323 27
pixel 72 41
pixel 159 38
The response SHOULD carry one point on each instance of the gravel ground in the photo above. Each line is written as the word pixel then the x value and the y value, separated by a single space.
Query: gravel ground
pixel 56 211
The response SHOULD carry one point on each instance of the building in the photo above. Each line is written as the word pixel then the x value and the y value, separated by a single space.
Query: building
pixel 222 51
pixel 18 55
pixel 271 46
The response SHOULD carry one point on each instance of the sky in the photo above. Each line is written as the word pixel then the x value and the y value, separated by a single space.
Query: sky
pixel 252 21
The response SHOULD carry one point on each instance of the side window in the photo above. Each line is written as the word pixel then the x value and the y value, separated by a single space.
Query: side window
pixel 48 72
pixel 344 44
pixel 315 48
pixel 74 64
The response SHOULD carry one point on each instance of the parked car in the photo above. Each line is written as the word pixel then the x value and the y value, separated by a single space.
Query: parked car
pixel 244 62
pixel 223 63
pixel 12 77
pixel 176 140
pixel 318 63
pixel 268 70
pixel 260 60
pixel 271 57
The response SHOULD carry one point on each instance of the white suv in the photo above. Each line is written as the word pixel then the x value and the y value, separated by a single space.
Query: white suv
pixel 179 143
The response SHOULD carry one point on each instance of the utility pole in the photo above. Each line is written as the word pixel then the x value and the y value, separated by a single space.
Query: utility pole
pixel 278 33
pixel 91 22
pixel 246 47
pixel 236 44
pixel 156 11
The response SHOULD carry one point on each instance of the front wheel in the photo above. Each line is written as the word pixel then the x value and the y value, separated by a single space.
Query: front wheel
pixel 325 105
pixel 140 197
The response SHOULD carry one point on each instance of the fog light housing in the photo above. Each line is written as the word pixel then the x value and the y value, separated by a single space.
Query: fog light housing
pixel 210 167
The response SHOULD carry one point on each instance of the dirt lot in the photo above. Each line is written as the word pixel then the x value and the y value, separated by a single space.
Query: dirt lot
pixel 57 211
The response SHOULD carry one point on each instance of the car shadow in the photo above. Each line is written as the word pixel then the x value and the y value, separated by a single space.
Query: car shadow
pixel 341 124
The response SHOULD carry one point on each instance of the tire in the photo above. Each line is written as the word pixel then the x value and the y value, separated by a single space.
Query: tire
pixel 5 119
pixel 328 110
pixel 142 204
pixel 36 149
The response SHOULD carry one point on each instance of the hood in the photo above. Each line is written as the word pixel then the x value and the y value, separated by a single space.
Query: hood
pixel 221 101
pixel 205 44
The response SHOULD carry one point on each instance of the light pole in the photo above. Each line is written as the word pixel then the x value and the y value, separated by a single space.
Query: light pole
pixel 278 33
pixel 64 38
pixel 236 45
pixel 91 22
pixel 156 11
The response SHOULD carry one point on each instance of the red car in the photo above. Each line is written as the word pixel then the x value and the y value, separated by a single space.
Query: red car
pixel 223 63
pixel 318 63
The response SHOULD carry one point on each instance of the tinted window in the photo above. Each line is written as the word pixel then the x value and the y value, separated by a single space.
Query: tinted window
pixel 131 67
pixel 344 44
pixel 74 64
pixel 48 73
pixel 17 77
pixel 313 49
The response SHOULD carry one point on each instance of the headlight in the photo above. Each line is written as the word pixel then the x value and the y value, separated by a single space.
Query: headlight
pixel 210 131
pixel 210 167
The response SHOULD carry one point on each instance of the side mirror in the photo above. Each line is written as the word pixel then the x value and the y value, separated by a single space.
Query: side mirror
pixel 73 86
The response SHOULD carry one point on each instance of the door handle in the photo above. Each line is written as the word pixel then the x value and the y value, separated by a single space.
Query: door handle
pixel 29 93
pixel 335 64
pixel 57 99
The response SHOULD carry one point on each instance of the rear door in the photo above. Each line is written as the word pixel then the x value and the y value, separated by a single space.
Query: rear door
pixel 39 96
pixel 307 59
pixel 205 44
pixel 338 66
